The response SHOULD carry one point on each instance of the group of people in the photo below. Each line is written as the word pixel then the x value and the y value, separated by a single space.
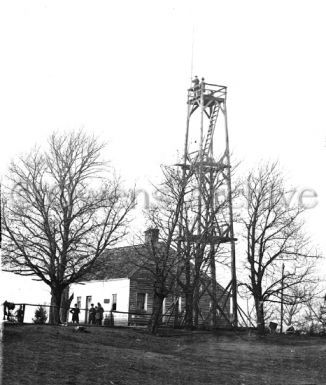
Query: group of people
pixel 197 86
pixel 95 314
pixel 8 308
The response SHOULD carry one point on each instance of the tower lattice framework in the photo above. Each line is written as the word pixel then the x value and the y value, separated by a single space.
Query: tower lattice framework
pixel 206 162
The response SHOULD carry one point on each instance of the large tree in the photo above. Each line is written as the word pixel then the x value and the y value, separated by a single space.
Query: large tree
pixel 61 208
pixel 273 232
pixel 178 263
pixel 159 256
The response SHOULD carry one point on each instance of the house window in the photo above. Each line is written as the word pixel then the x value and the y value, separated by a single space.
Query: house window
pixel 180 304
pixel 141 303
pixel 88 301
pixel 114 301
pixel 79 302
pixel 164 306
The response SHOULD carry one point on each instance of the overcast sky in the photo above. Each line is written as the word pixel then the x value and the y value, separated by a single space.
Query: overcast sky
pixel 121 70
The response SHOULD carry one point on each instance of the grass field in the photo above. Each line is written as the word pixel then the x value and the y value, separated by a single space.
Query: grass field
pixel 57 355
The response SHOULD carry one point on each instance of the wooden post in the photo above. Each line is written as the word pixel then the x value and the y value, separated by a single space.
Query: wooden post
pixel 282 299
pixel 233 262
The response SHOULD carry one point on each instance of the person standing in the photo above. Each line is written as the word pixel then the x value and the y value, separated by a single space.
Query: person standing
pixel 92 313
pixel 97 316
pixel 202 85
pixel 100 312
pixel 75 314
pixel 196 86
pixel 20 314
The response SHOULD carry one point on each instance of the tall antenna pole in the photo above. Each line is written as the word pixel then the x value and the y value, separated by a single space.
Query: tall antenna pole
pixel 0 215
pixel 201 142
pixel 192 54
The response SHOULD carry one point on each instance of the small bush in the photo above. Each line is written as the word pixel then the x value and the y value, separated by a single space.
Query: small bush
pixel 41 316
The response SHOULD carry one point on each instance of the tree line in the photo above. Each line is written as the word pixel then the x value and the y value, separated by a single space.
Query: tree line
pixel 62 207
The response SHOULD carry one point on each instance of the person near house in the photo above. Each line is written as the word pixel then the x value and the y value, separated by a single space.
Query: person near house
pixel 99 314
pixel 20 314
pixel 75 314
pixel 92 312
pixel 7 308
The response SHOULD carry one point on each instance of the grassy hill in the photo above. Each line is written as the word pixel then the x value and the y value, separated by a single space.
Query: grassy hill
pixel 58 355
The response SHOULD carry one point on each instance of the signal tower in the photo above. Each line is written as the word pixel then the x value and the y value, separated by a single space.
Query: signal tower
pixel 206 158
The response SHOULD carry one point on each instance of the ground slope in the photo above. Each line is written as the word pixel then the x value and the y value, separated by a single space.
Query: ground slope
pixel 57 355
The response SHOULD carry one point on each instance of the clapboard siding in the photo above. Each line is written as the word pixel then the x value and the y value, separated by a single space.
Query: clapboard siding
pixel 142 282
pixel 122 264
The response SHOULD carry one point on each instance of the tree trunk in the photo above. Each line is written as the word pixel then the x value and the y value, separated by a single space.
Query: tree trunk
pixel 189 310
pixel 65 305
pixel 176 312
pixel 188 297
pixel 157 313
pixel 196 305
pixel 259 305
pixel 56 295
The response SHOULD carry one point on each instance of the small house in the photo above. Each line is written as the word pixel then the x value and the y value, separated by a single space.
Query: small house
pixel 125 291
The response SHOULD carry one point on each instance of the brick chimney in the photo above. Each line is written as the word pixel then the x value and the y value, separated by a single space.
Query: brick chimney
pixel 151 235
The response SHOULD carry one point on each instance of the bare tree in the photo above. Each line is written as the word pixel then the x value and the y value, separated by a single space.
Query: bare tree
pixel 160 257
pixel 60 211
pixel 179 262
pixel 273 230
pixel 314 314
pixel 292 304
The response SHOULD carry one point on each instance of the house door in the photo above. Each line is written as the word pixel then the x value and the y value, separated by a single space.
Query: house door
pixel 87 306
pixel 114 302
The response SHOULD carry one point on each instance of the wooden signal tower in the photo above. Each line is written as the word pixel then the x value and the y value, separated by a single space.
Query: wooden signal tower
pixel 206 159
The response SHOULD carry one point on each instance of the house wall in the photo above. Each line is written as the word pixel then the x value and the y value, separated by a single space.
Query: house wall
pixel 205 305
pixel 127 291
pixel 205 319
pixel 102 291
pixel 141 282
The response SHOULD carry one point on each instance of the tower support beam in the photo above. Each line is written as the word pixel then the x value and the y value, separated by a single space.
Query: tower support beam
pixel 209 167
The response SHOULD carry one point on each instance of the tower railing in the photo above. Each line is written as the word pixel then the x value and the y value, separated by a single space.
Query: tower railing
pixel 208 89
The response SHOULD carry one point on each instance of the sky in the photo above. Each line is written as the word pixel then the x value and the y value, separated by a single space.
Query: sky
pixel 121 69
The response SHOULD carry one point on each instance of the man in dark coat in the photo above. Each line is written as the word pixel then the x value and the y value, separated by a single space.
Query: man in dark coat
pixel 92 312
pixel 75 314
pixel 100 311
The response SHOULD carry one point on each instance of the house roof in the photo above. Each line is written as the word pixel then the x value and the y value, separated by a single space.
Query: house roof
pixel 120 262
